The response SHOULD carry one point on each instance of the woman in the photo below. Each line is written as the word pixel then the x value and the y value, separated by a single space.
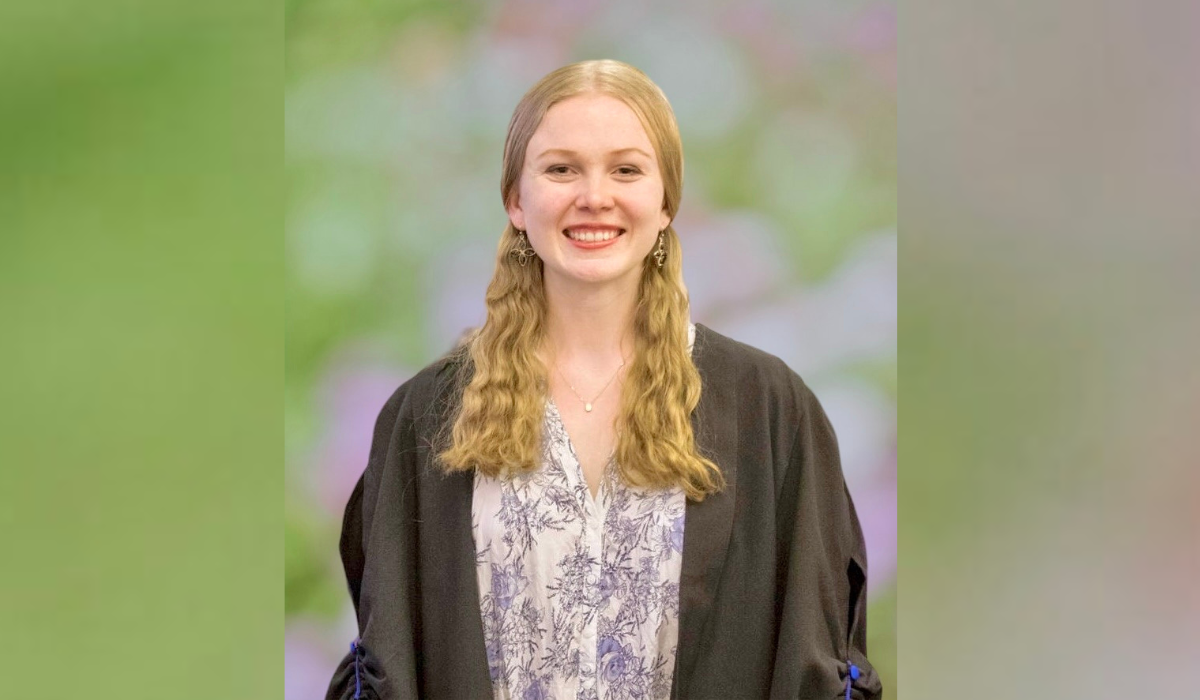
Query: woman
pixel 592 497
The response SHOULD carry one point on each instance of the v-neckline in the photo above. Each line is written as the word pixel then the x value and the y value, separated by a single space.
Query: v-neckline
pixel 593 498
pixel 607 469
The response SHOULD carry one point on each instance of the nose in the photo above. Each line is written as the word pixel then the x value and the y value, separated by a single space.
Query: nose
pixel 594 194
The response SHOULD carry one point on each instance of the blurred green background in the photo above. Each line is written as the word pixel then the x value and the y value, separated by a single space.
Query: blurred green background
pixel 141 314
pixel 395 119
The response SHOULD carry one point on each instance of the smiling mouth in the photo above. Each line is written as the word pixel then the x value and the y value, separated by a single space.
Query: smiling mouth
pixel 593 236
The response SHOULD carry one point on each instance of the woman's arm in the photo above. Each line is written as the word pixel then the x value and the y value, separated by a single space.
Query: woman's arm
pixel 361 674
pixel 822 635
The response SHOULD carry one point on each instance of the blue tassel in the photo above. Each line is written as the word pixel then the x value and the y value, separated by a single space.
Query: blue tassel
pixel 357 682
pixel 850 678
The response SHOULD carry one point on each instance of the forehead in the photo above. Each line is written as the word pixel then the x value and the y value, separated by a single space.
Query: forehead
pixel 589 123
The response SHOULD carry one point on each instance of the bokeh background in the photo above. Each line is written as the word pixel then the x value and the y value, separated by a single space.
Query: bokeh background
pixel 395 115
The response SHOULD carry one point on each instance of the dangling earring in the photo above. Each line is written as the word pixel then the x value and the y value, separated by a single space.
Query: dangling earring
pixel 522 251
pixel 660 254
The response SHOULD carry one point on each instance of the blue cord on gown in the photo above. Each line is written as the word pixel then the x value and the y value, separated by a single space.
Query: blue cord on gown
pixel 850 678
pixel 357 682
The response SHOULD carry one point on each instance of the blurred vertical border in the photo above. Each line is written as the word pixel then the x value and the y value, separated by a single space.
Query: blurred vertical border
pixel 140 349
pixel 1050 481
pixel 395 117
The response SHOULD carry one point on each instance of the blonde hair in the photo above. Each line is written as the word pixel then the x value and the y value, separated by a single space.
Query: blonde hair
pixel 498 426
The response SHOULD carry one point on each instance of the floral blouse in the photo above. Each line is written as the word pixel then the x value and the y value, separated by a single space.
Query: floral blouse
pixel 579 595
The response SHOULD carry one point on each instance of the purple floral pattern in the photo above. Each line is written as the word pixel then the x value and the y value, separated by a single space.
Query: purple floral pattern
pixel 579 596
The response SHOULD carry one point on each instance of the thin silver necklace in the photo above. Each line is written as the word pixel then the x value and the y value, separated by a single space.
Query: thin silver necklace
pixel 587 405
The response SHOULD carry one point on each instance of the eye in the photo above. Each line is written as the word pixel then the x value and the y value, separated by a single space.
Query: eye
pixel 558 170
pixel 628 170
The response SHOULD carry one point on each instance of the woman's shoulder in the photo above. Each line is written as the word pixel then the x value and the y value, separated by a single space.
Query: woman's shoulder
pixel 751 377
pixel 723 360
pixel 427 393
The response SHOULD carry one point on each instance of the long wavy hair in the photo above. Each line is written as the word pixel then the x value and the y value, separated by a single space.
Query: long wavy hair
pixel 498 426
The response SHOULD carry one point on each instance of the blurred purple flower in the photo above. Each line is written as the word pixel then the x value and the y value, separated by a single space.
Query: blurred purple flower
pixel 873 38
pixel 731 260
pixel 457 283
pixel 874 30
pixel 307 664
pixel 875 501
pixel 850 317
pixel 349 402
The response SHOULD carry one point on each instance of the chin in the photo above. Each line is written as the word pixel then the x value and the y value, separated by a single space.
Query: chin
pixel 599 273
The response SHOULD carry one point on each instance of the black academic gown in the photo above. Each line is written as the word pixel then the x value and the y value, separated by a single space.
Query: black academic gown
pixel 773 584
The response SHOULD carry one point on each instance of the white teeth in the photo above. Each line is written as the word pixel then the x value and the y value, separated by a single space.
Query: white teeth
pixel 593 236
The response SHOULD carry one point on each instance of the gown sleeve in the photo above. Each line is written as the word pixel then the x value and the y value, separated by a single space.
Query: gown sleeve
pixel 822 646
pixel 380 662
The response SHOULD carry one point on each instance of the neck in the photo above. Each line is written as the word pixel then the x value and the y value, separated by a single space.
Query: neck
pixel 592 328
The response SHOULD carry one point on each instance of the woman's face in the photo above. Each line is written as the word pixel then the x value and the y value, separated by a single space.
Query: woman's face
pixel 590 195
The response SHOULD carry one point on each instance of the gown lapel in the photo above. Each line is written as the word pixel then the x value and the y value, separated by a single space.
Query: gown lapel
pixel 707 524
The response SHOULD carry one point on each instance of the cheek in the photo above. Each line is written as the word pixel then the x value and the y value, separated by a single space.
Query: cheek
pixel 651 193
pixel 650 204
pixel 545 203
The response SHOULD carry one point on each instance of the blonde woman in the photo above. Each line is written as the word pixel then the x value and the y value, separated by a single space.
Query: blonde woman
pixel 593 497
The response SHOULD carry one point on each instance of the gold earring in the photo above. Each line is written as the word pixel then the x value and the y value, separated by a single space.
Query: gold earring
pixel 522 251
pixel 660 254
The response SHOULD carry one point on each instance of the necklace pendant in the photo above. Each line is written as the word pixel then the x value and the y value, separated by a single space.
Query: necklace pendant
pixel 587 407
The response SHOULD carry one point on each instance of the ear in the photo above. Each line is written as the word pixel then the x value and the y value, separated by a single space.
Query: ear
pixel 515 214
pixel 664 219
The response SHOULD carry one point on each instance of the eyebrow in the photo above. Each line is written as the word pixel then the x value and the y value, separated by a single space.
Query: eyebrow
pixel 566 152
